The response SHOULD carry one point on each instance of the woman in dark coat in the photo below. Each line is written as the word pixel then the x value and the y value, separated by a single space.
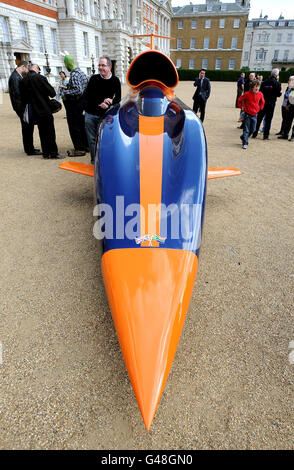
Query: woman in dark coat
pixel 37 91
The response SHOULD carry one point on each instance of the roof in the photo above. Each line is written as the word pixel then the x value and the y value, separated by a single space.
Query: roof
pixel 281 22
pixel 210 8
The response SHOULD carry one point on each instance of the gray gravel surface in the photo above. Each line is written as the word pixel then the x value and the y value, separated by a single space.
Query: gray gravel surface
pixel 63 380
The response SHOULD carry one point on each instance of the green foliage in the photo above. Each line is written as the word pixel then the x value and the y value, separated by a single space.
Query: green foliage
pixel 229 75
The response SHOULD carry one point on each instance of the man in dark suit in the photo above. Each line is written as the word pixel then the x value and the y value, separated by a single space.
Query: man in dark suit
pixel 37 91
pixel 271 89
pixel 18 105
pixel 201 94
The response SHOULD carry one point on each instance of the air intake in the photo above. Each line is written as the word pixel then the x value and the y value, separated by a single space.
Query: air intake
pixel 152 66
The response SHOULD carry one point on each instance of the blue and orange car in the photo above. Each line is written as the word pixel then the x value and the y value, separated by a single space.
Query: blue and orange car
pixel 151 172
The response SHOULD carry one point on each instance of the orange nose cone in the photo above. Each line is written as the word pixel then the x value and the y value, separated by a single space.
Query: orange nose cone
pixel 149 291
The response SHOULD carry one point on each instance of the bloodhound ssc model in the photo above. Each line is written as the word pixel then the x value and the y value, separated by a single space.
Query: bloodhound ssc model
pixel 151 171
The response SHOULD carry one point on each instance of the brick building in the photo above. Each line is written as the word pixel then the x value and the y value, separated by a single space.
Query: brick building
pixel 209 35
pixel 87 29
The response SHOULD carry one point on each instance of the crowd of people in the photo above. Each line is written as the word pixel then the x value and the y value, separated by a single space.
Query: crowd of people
pixel 257 100
pixel 85 103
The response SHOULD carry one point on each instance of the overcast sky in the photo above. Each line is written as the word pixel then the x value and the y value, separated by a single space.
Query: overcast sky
pixel 272 8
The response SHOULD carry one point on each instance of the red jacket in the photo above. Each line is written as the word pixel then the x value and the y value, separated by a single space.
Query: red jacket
pixel 253 102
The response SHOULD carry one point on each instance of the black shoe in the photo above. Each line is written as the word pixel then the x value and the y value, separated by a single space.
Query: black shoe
pixel 47 157
pixel 266 137
pixel 76 153
pixel 292 139
pixel 254 135
pixel 279 133
pixel 35 152
pixel 59 157
pixel 283 137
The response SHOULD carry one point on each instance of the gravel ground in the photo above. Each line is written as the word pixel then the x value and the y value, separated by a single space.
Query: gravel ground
pixel 63 380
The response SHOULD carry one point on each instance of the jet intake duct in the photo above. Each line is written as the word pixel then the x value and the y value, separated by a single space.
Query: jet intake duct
pixel 152 66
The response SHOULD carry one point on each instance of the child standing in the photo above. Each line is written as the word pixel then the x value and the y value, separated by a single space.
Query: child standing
pixel 252 101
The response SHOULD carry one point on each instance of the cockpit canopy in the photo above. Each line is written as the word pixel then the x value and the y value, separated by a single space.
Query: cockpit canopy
pixel 152 66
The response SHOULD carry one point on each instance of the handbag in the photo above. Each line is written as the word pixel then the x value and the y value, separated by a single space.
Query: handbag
pixel 25 116
pixel 291 97
pixel 28 115
pixel 55 106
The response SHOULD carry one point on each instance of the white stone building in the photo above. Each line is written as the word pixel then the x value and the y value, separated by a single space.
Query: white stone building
pixel 268 44
pixel 86 29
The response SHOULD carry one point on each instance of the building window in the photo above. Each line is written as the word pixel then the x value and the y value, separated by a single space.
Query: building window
pixel 263 37
pixel 5 29
pixel 234 43
pixel 248 37
pixel 40 36
pixel 89 71
pixel 245 55
pixel 191 64
pixel 207 24
pixel 223 7
pixel 289 37
pixel 236 22
pixel 220 43
pixel 281 23
pixel 286 56
pixel 24 31
pixel 86 44
pixel 58 70
pixel 209 7
pixel 193 43
pixel 180 24
pixel 79 4
pixel 279 37
pixel 276 54
pixel 204 63
pixel 129 12
pixel 206 43
pixel 195 9
pixel 97 46
pixel 291 23
pixel 222 23
pixel 232 64
pixel 261 54
pixel 54 41
pixel 194 24
pixel 179 43
pixel 218 63
pixel 179 63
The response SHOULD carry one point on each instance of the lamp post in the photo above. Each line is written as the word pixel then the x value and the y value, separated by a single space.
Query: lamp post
pixel 48 70
pixel 93 64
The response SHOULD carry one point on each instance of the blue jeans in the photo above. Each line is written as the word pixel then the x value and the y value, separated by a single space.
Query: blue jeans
pixel 249 127
pixel 92 123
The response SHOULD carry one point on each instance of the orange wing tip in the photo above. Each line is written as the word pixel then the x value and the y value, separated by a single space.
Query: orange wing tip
pixel 77 167
pixel 149 293
pixel 222 172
